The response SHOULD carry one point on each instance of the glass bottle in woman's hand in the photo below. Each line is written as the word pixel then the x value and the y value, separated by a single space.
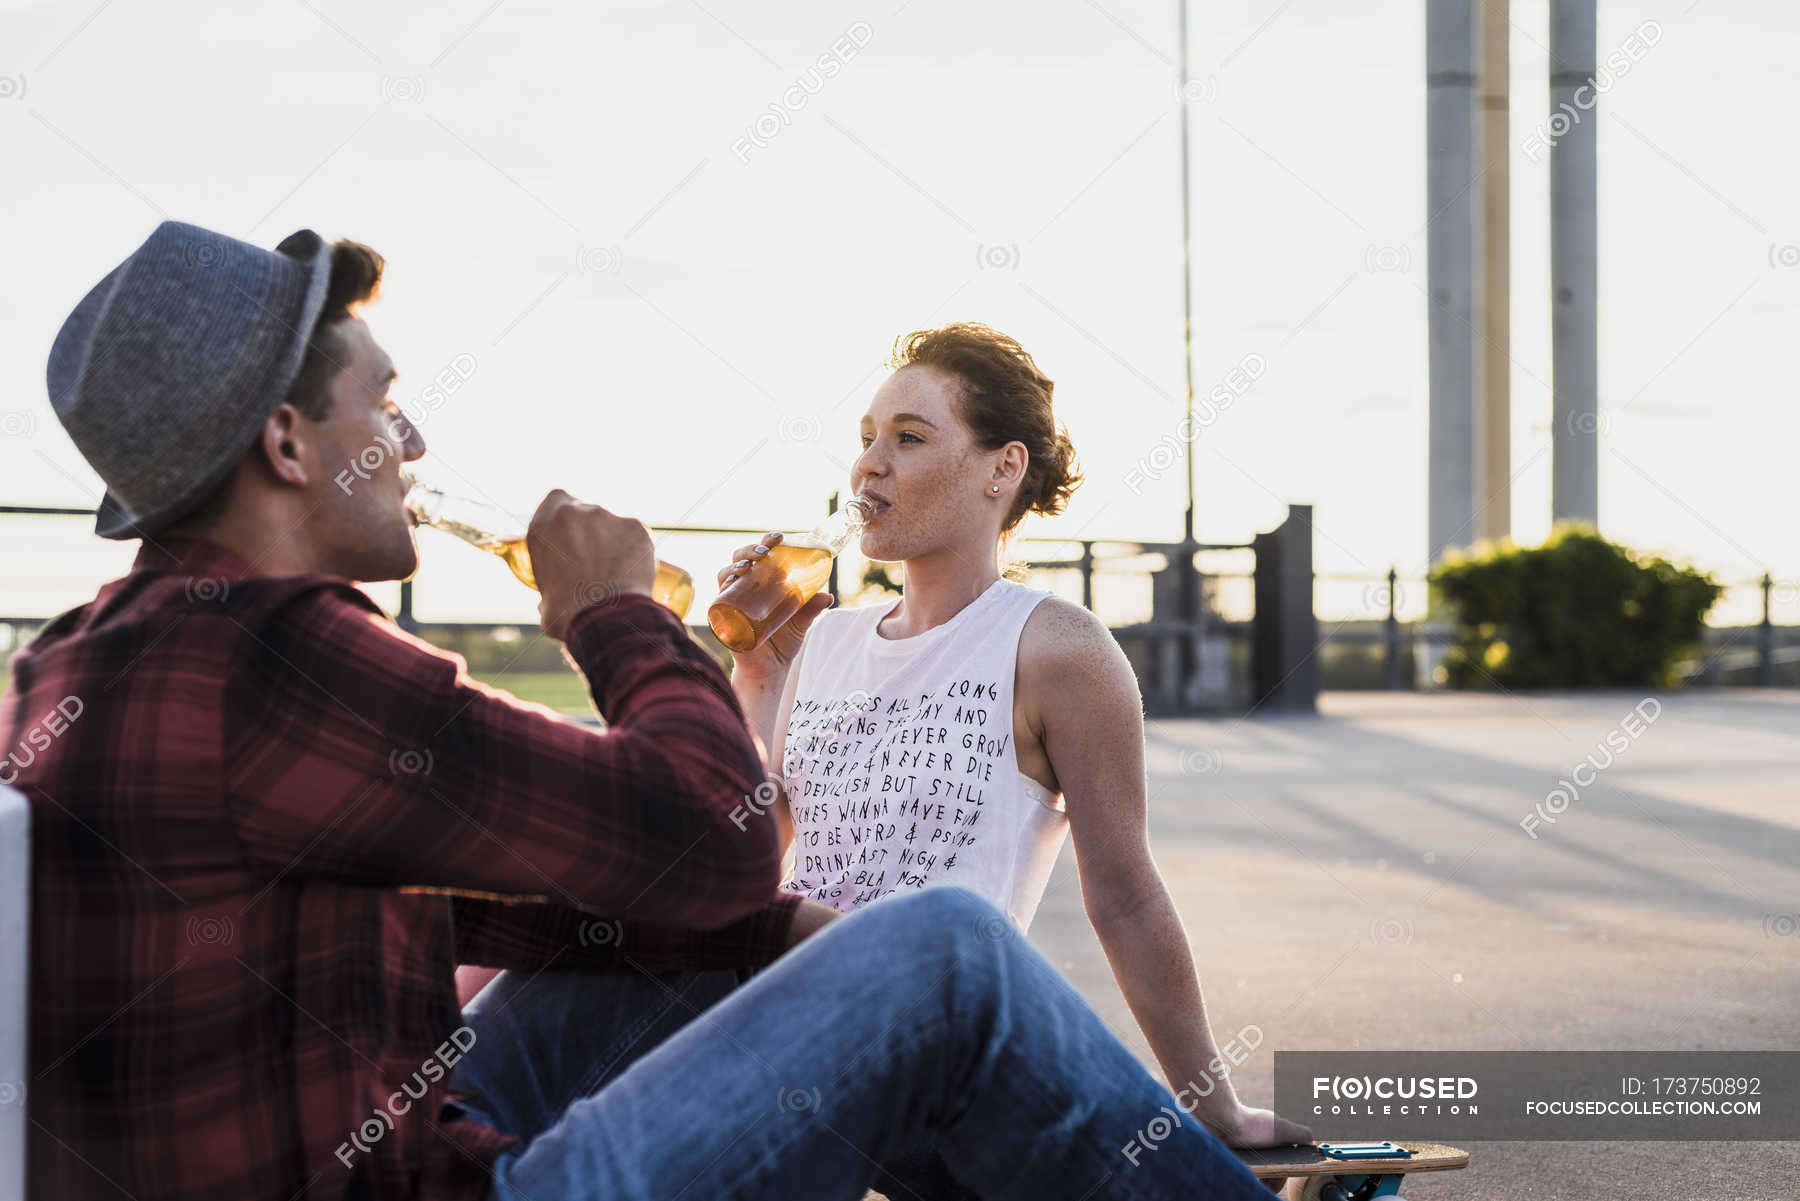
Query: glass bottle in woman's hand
pixel 770 582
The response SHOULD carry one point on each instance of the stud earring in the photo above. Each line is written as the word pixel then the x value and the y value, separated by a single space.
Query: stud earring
pixel 996 487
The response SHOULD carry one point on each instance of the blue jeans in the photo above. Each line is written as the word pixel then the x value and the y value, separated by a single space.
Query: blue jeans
pixel 915 1046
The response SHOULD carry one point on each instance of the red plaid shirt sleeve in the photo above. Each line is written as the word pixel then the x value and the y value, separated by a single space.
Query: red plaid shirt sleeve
pixel 354 752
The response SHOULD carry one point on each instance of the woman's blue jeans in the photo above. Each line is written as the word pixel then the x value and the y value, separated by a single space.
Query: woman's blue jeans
pixel 918 1046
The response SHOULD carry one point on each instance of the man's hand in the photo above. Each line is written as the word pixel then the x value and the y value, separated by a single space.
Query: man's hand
pixel 582 555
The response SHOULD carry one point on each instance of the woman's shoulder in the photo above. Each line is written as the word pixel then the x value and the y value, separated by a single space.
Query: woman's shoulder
pixel 1059 622
pixel 1064 642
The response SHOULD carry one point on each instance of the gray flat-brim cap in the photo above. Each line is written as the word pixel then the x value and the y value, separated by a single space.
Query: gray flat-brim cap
pixel 165 372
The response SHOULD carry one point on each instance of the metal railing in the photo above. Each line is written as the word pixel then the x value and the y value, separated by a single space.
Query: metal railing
pixel 1754 654
pixel 1168 650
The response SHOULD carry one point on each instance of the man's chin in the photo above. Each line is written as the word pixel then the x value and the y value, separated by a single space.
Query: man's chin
pixel 380 565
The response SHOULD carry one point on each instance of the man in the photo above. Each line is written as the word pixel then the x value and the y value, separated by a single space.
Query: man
pixel 267 824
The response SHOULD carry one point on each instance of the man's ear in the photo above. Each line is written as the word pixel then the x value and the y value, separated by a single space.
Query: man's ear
pixel 286 446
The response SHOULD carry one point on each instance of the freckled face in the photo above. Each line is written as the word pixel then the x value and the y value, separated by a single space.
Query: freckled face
pixel 921 468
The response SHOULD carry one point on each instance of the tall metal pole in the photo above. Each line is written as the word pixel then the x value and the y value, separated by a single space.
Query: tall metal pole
pixel 1494 476
pixel 1574 352
pixel 1450 200
pixel 1187 279
pixel 1190 583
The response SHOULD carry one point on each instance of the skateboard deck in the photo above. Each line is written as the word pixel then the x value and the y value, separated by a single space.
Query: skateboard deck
pixel 1356 1172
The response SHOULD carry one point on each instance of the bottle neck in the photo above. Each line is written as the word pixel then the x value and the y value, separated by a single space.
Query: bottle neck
pixel 473 521
pixel 841 528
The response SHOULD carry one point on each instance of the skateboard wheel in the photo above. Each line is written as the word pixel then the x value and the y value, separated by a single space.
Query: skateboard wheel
pixel 1327 1188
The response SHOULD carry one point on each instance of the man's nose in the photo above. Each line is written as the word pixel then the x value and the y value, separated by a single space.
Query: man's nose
pixel 413 449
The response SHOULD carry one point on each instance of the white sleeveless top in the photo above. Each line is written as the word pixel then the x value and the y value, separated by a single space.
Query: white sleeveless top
pixel 899 763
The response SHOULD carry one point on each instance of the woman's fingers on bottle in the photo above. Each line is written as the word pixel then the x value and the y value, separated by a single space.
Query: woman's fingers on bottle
pixel 731 570
pixel 745 557
pixel 801 621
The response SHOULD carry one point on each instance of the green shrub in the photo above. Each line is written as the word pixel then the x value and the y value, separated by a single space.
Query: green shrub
pixel 1578 611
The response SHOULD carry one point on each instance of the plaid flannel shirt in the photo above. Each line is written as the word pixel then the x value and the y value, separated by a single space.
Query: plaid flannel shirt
pixel 266 826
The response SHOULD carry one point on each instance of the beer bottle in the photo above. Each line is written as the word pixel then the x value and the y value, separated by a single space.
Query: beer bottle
pixel 496 531
pixel 759 602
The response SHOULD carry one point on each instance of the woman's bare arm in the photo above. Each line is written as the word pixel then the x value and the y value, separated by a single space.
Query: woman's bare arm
pixel 767 701
pixel 765 679
pixel 1082 698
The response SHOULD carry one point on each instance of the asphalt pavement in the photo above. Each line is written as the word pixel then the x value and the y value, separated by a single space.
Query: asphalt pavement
pixel 1361 879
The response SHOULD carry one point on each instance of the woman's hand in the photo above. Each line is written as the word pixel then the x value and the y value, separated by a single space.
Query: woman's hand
pixel 771 660
pixel 1244 1126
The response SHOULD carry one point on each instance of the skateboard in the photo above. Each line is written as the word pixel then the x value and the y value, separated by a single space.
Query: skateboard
pixel 1349 1171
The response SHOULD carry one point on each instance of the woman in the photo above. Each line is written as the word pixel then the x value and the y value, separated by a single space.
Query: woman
pixel 958 733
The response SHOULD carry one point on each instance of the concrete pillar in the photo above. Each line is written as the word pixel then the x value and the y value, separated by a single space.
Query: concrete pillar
pixel 1451 199
pixel 1574 130
pixel 1493 487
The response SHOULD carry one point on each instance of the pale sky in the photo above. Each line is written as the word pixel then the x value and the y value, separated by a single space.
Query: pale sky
pixel 678 322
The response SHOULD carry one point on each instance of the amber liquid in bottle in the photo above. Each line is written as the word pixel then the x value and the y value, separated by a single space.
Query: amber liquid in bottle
pixel 761 600
pixel 673 588
pixel 473 522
